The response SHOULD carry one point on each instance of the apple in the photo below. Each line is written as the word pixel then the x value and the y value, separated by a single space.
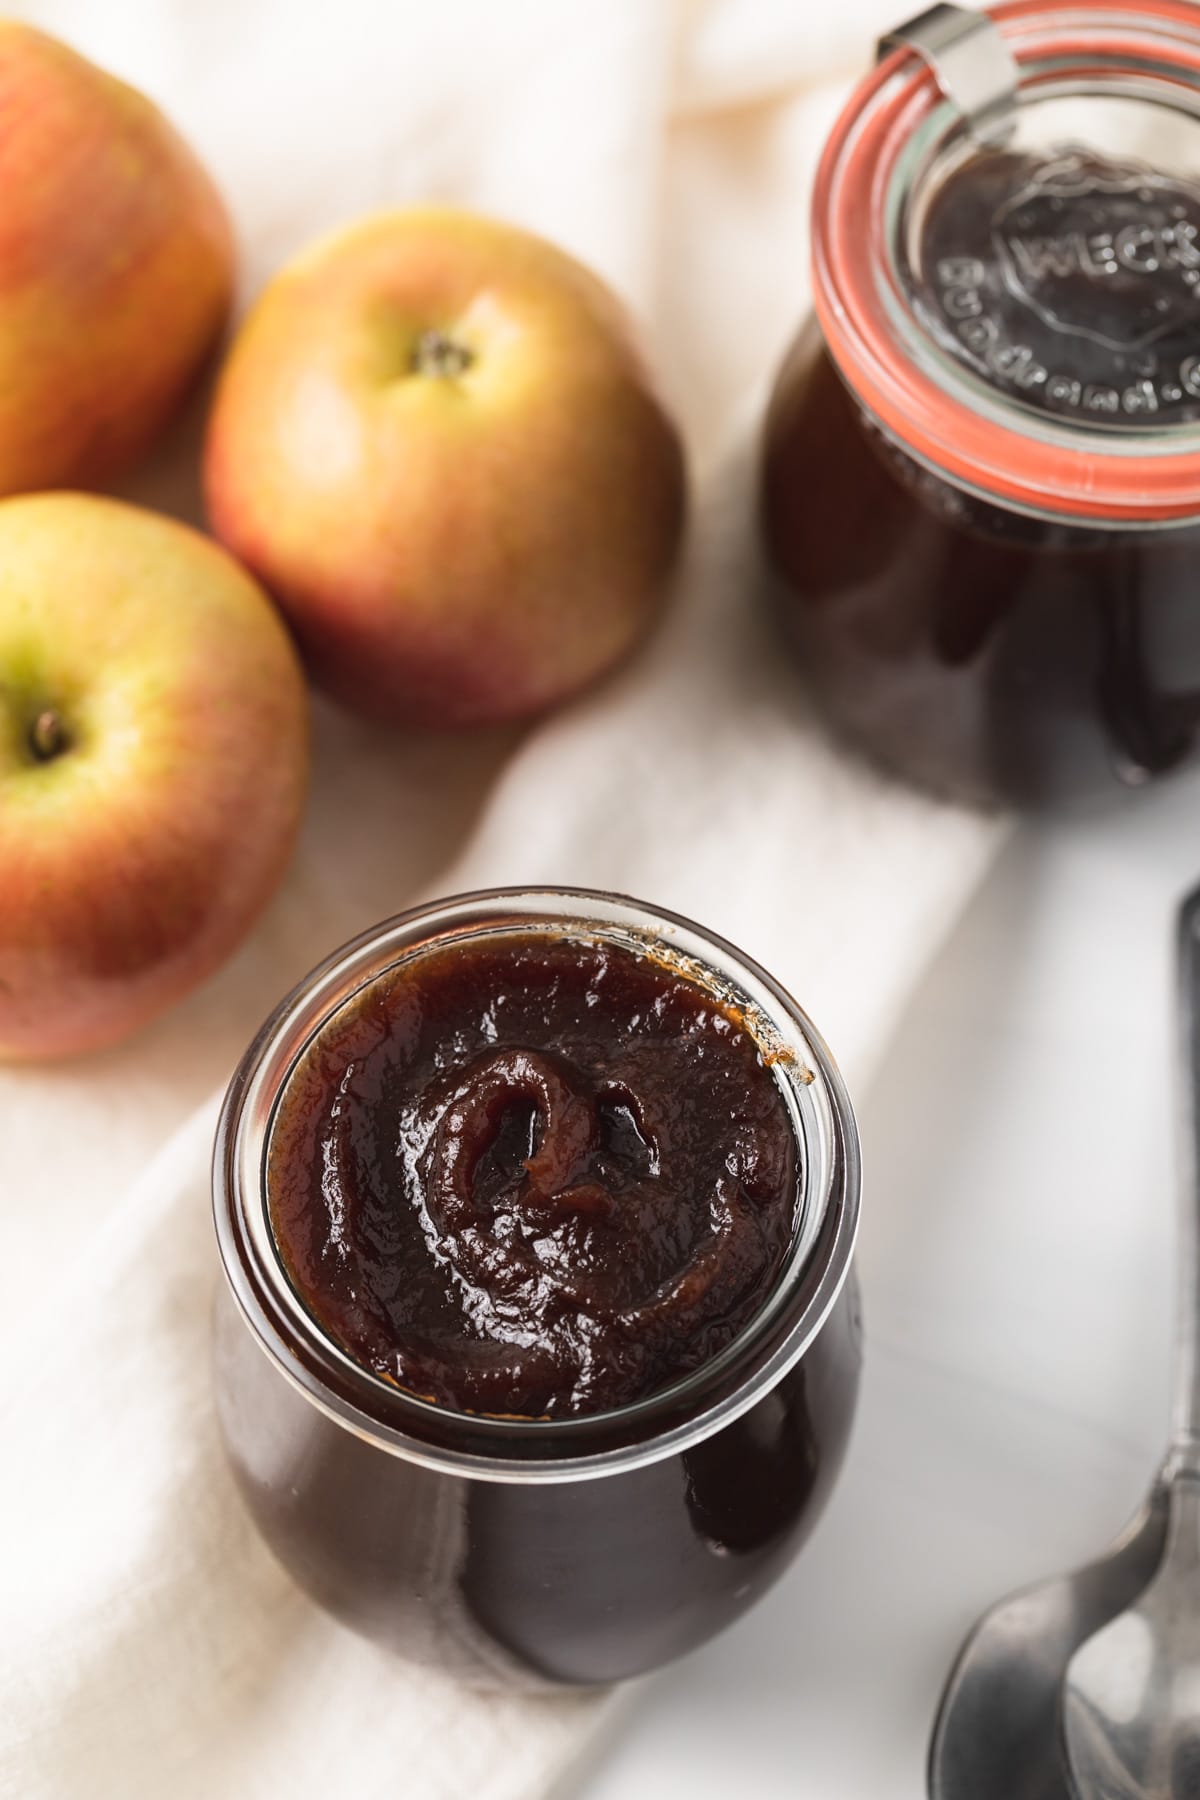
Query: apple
pixel 153 761
pixel 435 443
pixel 116 267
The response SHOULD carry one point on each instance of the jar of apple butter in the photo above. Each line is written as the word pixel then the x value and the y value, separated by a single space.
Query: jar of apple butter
pixel 981 474
pixel 539 1345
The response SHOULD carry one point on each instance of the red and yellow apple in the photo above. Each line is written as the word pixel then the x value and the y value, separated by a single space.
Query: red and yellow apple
pixel 153 762
pixel 116 267
pixel 435 442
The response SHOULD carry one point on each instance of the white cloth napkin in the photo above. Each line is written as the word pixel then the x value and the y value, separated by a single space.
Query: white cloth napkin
pixel 148 1643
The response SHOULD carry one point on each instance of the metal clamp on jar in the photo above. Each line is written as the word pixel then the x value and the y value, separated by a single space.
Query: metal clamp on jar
pixel 981 479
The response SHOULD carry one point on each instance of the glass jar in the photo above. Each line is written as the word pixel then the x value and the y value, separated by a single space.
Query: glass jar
pixel 541 1552
pixel 981 475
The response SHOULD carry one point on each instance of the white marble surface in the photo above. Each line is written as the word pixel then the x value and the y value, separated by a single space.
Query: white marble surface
pixel 1017 1259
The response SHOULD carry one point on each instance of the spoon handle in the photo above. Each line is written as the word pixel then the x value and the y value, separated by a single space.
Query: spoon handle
pixel 1185 1442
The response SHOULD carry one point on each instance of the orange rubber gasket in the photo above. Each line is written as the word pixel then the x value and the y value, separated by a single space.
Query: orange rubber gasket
pixel 938 427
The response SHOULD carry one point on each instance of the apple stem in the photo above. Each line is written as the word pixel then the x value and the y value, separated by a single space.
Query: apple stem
pixel 440 356
pixel 47 739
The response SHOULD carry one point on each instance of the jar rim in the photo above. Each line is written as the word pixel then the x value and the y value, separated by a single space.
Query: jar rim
pixel 937 411
pixel 660 1425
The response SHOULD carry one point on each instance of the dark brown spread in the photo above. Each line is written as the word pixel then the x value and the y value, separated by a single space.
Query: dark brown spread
pixel 533 1175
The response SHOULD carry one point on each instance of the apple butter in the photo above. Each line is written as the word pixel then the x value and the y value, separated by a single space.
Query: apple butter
pixel 981 473
pixel 539 1341
pixel 533 1176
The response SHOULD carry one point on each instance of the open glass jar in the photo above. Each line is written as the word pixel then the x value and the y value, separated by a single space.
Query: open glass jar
pixel 981 483
pixel 526 1551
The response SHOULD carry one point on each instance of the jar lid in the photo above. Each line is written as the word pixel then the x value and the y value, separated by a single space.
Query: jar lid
pixel 1006 245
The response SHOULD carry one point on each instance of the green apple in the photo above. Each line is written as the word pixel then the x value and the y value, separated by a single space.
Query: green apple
pixel 116 265
pixel 435 442
pixel 153 762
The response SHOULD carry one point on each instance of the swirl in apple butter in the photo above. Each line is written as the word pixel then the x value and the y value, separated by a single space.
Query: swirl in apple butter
pixel 531 1175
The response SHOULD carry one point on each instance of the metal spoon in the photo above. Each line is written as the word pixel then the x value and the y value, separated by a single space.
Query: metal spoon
pixel 1126 1726
pixel 997 1731
pixel 1131 1700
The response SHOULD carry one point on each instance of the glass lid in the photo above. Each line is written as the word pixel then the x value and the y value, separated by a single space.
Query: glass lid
pixel 1023 310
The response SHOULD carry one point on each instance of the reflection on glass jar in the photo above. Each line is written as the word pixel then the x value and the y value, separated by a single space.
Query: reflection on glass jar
pixel 981 476
pixel 548 1551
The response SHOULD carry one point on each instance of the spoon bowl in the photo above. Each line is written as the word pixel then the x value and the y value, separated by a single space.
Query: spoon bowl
pixel 1131 1701
pixel 997 1729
